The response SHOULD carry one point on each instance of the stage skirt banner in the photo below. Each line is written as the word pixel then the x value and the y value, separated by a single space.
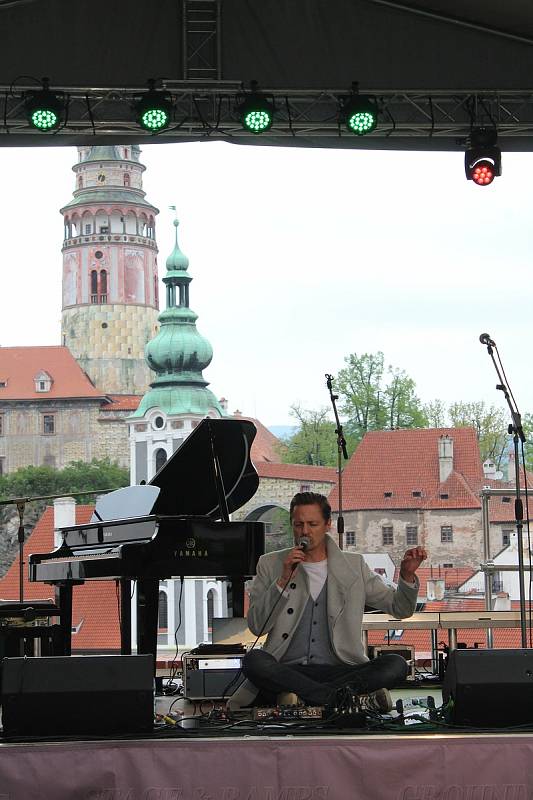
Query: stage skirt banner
pixel 337 768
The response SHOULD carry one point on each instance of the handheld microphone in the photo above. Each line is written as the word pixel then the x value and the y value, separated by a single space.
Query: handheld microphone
pixel 304 543
pixel 485 339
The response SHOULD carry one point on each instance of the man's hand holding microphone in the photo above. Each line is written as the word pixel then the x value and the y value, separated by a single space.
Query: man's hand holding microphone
pixel 293 558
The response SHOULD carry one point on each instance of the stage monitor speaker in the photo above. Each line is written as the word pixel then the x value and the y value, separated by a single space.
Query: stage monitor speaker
pixel 489 688
pixel 77 695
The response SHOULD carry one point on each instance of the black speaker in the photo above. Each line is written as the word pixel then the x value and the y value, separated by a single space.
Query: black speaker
pixel 71 695
pixel 489 688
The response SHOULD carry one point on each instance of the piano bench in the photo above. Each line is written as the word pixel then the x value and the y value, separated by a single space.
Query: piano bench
pixel 34 640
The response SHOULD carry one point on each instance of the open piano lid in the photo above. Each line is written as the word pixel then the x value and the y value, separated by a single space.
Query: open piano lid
pixel 211 474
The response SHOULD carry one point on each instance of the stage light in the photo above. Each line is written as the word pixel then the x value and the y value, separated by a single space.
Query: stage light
pixel 483 158
pixel 360 113
pixel 153 109
pixel 43 108
pixel 255 112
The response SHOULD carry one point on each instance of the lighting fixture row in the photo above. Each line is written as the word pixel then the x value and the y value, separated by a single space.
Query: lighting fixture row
pixel 153 110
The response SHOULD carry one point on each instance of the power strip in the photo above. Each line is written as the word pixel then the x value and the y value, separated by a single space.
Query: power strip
pixel 288 712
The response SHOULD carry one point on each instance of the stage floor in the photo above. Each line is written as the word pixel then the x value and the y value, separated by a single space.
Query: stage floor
pixel 444 766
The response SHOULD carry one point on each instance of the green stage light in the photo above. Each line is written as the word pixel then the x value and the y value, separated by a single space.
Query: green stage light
pixel 154 110
pixel 256 113
pixel 43 108
pixel 360 114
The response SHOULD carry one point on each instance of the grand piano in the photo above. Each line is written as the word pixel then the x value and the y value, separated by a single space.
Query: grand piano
pixel 176 526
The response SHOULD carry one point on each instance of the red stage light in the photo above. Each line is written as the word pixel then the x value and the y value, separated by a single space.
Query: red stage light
pixel 483 173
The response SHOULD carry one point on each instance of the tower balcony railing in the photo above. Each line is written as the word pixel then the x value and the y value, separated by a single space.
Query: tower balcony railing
pixel 109 237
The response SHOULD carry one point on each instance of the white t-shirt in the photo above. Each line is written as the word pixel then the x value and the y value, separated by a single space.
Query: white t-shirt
pixel 317 572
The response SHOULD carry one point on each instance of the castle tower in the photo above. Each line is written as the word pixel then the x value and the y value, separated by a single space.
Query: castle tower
pixel 178 398
pixel 110 291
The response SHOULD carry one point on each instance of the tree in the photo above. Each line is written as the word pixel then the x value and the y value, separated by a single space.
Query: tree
pixel 490 424
pixel 372 402
pixel 78 476
pixel 315 441
pixel 435 413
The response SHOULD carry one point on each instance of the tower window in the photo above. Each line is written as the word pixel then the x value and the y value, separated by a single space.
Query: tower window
pixel 160 458
pixel 80 182
pixel 1 424
pixel 126 179
pixel 98 254
pixel 88 229
pixel 163 611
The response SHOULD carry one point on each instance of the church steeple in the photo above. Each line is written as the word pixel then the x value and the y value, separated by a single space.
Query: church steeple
pixel 178 398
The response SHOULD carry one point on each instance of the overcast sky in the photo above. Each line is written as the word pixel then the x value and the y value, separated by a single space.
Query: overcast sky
pixel 300 257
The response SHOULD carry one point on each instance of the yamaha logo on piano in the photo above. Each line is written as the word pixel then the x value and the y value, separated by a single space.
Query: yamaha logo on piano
pixel 191 550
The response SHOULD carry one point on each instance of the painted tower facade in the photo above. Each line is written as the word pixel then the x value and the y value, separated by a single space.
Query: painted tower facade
pixel 110 281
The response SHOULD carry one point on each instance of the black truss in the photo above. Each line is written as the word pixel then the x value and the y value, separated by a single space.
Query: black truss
pixel 409 119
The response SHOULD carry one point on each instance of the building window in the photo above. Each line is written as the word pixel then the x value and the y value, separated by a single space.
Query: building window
pixel 447 566
pixel 2 465
pixel 163 611
pixel 160 458
pixel 1 424
pixel 446 533
pixel 387 494
pixel 305 487
pixel 350 538
pixel 417 494
pixel 126 179
pixel 48 423
pixel 43 382
pixel 210 609
pixel 506 538
pixel 386 532
pixel 411 534
pixel 88 229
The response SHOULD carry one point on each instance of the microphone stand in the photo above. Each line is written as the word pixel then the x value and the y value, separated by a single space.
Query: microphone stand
pixel 341 451
pixel 20 503
pixel 515 428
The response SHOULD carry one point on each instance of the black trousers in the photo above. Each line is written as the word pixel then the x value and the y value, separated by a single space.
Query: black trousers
pixel 318 683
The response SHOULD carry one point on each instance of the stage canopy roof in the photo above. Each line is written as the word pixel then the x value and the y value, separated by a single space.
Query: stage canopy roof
pixel 436 68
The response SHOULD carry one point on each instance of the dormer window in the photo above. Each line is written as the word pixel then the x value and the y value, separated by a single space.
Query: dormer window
pixel 417 494
pixel 43 382
pixel 387 494
pixel 3 384
pixel 444 496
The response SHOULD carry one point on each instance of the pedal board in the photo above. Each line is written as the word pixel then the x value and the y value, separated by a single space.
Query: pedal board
pixel 288 713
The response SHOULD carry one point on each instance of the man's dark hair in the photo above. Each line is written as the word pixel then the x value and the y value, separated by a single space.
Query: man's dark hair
pixel 311 499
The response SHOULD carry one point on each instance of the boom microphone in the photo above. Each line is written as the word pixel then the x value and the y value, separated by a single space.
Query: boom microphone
pixel 485 339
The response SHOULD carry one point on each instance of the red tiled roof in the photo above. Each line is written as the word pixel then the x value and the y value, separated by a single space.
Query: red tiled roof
pixel 501 509
pixel 407 461
pixel 453 576
pixel 94 603
pixel 122 402
pixel 20 365
pixel 297 472
pixel 265 446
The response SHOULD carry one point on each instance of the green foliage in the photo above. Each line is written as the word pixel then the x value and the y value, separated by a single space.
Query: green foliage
pixel 78 476
pixel 527 424
pixel 279 529
pixel 315 441
pixel 490 424
pixel 377 399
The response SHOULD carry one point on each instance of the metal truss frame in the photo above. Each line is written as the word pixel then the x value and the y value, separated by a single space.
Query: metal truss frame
pixel 409 119
pixel 202 47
